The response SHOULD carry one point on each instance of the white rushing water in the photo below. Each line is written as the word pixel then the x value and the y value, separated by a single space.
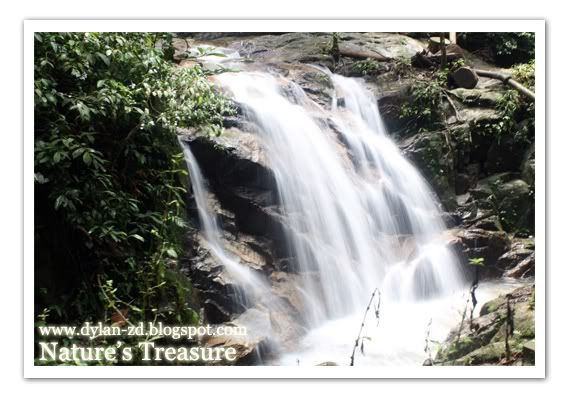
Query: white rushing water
pixel 360 217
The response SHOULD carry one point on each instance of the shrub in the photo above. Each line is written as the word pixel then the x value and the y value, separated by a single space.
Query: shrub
pixel 109 193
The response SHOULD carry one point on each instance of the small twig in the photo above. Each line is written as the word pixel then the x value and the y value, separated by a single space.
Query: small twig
pixel 457 115
pixel 443 50
pixel 427 348
pixel 474 287
pixel 509 327
pixel 359 337
pixel 109 301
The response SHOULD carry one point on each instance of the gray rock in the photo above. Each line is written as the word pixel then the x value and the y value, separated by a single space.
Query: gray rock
pixel 511 258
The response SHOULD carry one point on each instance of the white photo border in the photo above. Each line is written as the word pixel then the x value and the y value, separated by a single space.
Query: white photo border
pixel 283 25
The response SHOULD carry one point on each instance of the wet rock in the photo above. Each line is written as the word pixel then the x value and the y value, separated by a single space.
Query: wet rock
pixel 511 258
pixel 523 269
pixel 390 104
pixel 217 291
pixel 479 243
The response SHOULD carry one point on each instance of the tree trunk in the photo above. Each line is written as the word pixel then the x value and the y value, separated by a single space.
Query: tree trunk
pixel 363 54
pixel 453 37
pixel 443 50
pixel 467 78
pixel 507 80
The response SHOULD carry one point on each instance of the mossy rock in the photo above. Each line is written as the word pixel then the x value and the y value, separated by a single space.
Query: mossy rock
pixel 483 342
pixel 489 354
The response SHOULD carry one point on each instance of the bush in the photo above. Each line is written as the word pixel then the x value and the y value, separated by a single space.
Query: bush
pixel 524 73
pixel 108 170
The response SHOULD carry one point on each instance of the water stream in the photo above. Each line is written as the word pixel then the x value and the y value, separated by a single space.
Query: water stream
pixel 360 217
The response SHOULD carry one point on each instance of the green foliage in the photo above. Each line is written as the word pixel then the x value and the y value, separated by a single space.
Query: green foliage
pixel 366 67
pixel 506 48
pixel 479 261
pixel 425 109
pixel 524 73
pixel 516 112
pixel 107 163
pixel 401 67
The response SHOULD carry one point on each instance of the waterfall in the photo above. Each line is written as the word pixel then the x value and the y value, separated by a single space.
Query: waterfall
pixel 359 216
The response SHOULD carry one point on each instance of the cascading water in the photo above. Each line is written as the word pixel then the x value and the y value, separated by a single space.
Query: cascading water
pixel 359 216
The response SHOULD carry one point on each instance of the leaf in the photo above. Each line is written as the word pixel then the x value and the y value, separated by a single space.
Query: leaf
pixel 87 159
pixel 76 153
pixel 137 237
pixel 40 178
pixel 171 252
pixel 104 58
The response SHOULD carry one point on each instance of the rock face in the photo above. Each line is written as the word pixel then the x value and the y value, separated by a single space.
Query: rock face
pixel 431 153
pixel 485 181
pixel 479 243
pixel 482 342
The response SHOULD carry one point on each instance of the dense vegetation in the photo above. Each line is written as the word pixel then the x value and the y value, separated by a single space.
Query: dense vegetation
pixel 109 182
pixel 503 48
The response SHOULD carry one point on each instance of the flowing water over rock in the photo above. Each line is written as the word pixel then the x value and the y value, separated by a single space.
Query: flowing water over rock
pixel 357 214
